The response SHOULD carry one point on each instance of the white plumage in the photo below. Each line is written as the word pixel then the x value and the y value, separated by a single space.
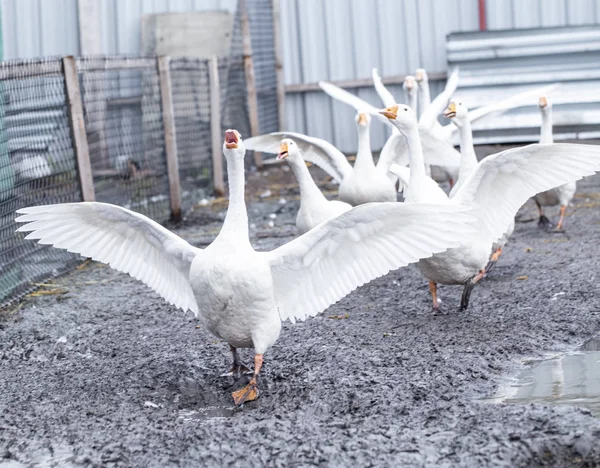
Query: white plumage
pixel 563 194
pixel 496 189
pixel 242 295
pixel 364 182
pixel 314 207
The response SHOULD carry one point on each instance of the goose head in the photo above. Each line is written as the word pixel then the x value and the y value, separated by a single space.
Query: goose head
pixel 362 119
pixel 288 149
pixel 233 143
pixel 544 104
pixel 421 77
pixel 456 111
pixel 402 116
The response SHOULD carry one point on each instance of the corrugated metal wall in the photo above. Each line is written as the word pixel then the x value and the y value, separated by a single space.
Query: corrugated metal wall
pixel 344 39
pixel 321 39
pixel 33 28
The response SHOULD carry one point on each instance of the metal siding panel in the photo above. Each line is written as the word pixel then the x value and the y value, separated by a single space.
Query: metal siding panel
pixel 392 40
pixel 294 113
pixel 292 61
pixel 366 50
pixel 108 27
pixel 27 20
pixel 468 13
pixel 179 5
pixel 427 43
pixel 128 26
pixel 552 13
pixel 339 49
pixel 526 14
pixel 9 30
pixel 578 12
pixel 411 35
pixel 314 63
pixel 60 15
pixel 495 65
pixel 499 14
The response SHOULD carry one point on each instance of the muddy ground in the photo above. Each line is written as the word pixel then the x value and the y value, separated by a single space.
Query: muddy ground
pixel 107 374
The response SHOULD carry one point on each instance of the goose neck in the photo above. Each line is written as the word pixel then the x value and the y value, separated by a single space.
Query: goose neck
pixel 364 157
pixel 468 158
pixel 546 133
pixel 236 219
pixel 308 187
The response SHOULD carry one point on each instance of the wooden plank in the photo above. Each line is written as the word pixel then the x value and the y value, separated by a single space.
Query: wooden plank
pixel 78 132
pixel 215 126
pixel 279 78
pixel 250 79
pixel 358 83
pixel 170 137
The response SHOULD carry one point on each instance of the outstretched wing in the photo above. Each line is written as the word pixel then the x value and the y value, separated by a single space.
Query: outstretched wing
pixel 395 151
pixel 503 182
pixel 353 101
pixel 521 99
pixel 438 152
pixel 127 241
pixel 430 116
pixel 320 267
pixel 384 94
pixel 314 150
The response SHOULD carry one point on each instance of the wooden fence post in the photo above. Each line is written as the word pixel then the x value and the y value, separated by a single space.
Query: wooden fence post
pixel 250 79
pixel 78 132
pixel 276 10
pixel 168 114
pixel 216 136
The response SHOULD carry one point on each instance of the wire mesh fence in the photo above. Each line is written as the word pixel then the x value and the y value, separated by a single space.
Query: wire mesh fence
pixel 260 16
pixel 122 108
pixel 37 166
pixel 125 127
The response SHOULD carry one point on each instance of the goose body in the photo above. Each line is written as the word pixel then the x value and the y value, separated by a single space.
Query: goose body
pixel 362 183
pixel 495 190
pixel 563 194
pixel 458 113
pixel 241 295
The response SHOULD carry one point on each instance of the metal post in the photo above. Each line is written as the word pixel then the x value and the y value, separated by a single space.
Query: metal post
pixel 78 132
pixel 278 63
pixel 215 126
pixel 250 79
pixel 168 114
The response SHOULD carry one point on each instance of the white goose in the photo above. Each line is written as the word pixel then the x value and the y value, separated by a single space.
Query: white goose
pixel 363 183
pixel 314 207
pixel 560 195
pixel 458 113
pixel 437 152
pixel 496 189
pixel 242 295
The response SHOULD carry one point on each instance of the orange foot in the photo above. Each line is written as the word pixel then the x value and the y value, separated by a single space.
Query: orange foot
pixel 496 255
pixel 248 393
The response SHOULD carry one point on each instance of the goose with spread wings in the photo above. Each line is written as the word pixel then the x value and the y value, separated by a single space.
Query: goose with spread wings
pixel 495 190
pixel 241 295
pixel 364 182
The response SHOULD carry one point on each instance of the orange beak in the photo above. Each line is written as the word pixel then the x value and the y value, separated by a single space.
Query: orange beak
pixel 231 139
pixel 450 111
pixel 362 119
pixel 543 102
pixel 390 112
pixel 283 151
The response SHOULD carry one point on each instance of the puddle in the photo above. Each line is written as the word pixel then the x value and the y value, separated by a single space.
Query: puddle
pixel 204 415
pixel 570 379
